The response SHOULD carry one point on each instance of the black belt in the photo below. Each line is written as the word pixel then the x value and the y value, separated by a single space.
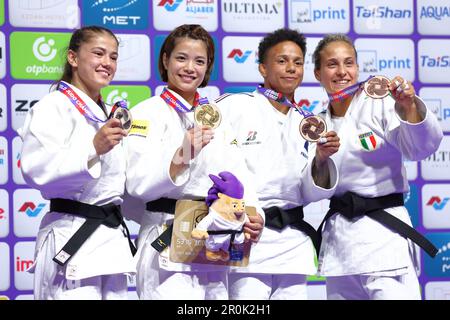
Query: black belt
pixel 109 215
pixel 232 232
pixel 277 218
pixel 167 205
pixel 352 205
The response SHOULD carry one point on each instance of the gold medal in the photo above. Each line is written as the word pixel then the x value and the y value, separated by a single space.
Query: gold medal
pixel 207 115
pixel 312 128
pixel 124 115
pixel 377 87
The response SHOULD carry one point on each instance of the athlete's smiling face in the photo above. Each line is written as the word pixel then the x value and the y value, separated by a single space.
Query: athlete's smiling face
pixel 338 67
pixel 282 68
pixel 186 67
pixel 95 63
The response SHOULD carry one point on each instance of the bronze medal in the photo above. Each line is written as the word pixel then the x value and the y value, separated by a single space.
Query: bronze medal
pixel 207 115
pixel 377 87
pixel 312 128
pixel 124 115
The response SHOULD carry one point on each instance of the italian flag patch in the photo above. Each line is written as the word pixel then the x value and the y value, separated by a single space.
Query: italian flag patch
pixel 368 141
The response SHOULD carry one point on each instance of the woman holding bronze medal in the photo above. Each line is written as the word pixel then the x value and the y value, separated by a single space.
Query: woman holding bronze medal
pixel 287 149
pixel 172 150
pixel 368 244
pixel 73 154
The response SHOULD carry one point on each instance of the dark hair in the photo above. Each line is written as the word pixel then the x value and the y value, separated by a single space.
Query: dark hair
pixel 334 37
pixel 280 35
pixel 79 37
pixel 191 31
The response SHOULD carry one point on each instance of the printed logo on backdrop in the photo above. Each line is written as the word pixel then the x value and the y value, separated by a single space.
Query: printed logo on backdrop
pixel 16 150
pixel 38 55
pixel 437 166
pixel 438 101
pixel 433 17
pixel 158 42
pixel 3 109
pixel 383 16
pixel 316 16
pixel 239 56
pixel 312 99
pixel 437 203
pixel 116 14
pixel 388 57
pixel 131 94
pixel 29 208
pixel 439 266
pixel 240 59
pixel 4 270
pixel 23 260
pixel 169 14
pixel 2 55
pixel 44 13
pixel 3 160
pixel 170 5
pixel 23 98
pixel 412 203
pixel 252 16
pixel 437 290
pixel 4 213
pixel 134 58
pixel 434 60
pixel 436 206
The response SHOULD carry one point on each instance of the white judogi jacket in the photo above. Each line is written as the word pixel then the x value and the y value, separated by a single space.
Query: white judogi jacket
pixel 150 154
pixel 373 168
pixel 276 155
pixel 57 144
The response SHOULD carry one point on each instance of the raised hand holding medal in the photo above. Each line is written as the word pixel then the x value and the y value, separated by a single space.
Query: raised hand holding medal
pixel 207 114
pixel 121 112
pixel 312 129
pixel 377 87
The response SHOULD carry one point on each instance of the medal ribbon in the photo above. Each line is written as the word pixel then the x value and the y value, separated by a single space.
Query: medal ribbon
pixel 81 106
pixel 175 103
pixel 278 97
pixel 118 104
pixel 347 92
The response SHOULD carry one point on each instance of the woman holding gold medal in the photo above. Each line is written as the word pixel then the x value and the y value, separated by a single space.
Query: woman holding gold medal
pixel 172 150
pixel 287 149
pixel 72 152
pixel 367 249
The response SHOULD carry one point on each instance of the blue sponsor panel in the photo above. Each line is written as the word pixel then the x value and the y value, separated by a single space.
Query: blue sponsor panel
pixel 117 14
pixel 412 204
pixel 439 266
pixel 158 42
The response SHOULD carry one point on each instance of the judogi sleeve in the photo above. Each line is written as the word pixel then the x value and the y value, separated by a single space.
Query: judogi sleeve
pixel 416 141
pixel 150 149
pixel 55 154
pixel 309 190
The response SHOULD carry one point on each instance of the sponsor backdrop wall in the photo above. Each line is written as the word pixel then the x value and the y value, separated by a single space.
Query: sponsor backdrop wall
pixel 410 38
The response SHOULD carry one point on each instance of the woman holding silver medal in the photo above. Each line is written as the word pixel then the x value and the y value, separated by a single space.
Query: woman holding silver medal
pixel 72 152
pixel 172 150
pixel 287 149
pixel 367 249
